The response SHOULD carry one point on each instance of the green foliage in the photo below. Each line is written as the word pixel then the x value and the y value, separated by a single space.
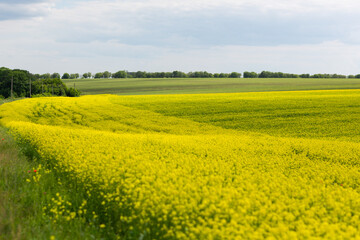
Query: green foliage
pixel 250 75
pixel 325 75
pixel 99 75
pixel 74 76
pixel 65 76
pixel 21 79
pixel 71 92
pixel 106 74
pixel 235 75
pixel 305 75
pixel 24 193
pixel 120 74
pixel 267 74
pixel 49 86
pixel 55 75
pixel 178 74
pixel 41 85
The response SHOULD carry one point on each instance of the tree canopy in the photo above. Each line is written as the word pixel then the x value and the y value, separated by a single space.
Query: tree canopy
pixel 22 81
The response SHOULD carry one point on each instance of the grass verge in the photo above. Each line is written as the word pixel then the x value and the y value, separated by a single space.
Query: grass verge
pixel 32 200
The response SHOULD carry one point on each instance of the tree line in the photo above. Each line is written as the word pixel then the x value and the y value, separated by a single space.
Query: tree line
pixel 22 83
pixel 267 74
pixel 143 74
pixel 197 74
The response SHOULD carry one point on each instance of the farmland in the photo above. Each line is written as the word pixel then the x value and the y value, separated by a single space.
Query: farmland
pixel 138 86
pixel 202 166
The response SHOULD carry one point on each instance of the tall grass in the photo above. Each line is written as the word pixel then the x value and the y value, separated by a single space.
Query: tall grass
pixel 22 199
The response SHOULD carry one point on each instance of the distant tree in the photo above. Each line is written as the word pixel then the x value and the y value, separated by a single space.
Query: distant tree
pixel 351 76
pixel 357 76
pixel 178 74
pixel 99 75
pixel 89 75
pixel 119 74
pixel 223 75
pixel 250 75
pixel 335 75
pixel 106 74
pixel 235 75
pixel 72 76
pixel 265 74
pixel 65 76
pixel 45 76
pixel 85 75
pixel 305 75
pixel 321 75
pixel 200 74
pixel 168 74
pixel 140 74
pixel 55 75
pixel 162 74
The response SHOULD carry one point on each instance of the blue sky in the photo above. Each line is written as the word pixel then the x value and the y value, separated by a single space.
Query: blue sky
pixel 297 36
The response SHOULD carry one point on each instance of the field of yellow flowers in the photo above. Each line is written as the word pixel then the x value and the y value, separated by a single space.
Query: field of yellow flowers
pixel 208 166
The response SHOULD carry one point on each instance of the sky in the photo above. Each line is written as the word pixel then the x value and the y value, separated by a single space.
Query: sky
pixel 77 36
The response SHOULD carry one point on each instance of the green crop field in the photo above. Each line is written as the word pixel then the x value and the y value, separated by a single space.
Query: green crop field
pixel 133 86
pixel 276 165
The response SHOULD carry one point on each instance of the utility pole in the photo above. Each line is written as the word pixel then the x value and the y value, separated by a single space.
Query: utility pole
pixel 12 86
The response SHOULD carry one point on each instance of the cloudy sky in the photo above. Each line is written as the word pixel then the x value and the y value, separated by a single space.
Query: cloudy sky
pixel 297 36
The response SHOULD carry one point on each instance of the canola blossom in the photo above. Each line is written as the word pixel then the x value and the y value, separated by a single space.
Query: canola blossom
pixel 162 171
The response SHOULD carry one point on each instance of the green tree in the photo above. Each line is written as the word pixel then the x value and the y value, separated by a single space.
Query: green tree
pixel 305 75
pixel 45 76
pixel 140 74
pixel 235 75
pixel 250 75
pixel 99 75
pixel 106 74
pixel 55 75
pixel 120 74
pixel 223 75
pixel 178 74
pixel 85 75
pixel 65 76
pixel 20 79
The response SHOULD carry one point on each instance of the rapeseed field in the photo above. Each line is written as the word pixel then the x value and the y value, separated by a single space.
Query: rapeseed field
pixel 209 166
